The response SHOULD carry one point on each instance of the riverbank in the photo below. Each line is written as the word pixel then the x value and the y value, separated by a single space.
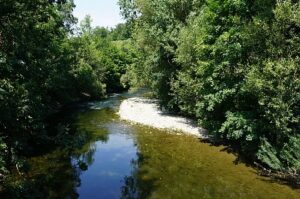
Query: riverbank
pixel 147 112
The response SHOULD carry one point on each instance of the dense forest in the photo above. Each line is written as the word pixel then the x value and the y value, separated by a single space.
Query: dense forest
pixel 233 65
pixel 46 62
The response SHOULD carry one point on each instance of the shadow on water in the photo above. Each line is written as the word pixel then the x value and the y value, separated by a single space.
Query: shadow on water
pixel 92 154
pixel 137 184
pixel 179 166
pixel 292 181
pixel 54 167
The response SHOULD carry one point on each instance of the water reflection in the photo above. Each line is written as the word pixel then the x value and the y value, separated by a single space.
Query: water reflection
pixel 177 166
pixel 86 159
pixel 55 168
pixel 103 179
pixel 95 155
pixel 138 184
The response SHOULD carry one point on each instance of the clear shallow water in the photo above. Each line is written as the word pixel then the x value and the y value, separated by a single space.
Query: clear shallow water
pixel 112 161
pixel 109 158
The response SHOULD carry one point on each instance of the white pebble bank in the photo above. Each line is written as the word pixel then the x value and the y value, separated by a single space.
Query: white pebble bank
pixel 147 112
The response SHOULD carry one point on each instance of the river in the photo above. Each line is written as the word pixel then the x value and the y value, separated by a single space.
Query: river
pixel 109 158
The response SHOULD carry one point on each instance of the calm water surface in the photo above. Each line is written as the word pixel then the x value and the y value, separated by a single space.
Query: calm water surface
pixel 109 158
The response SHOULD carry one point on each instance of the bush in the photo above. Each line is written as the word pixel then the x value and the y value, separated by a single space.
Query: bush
pixel 233 65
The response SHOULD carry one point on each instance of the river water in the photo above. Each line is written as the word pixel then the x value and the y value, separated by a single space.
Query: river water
pixel 105 157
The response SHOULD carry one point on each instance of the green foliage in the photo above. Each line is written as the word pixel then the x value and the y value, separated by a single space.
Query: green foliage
pixel 268 155
pixel 107 52
pixel 86 81
pixel 289 153
pixel 156 27
pixel 233 65
pixel 121 32
pixel 3 166
pixel 30 53
pixel 44 65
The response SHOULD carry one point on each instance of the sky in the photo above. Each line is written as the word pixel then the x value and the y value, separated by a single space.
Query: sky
pixel 104 13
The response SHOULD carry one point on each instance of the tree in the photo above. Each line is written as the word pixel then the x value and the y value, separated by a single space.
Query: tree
pixel 233 65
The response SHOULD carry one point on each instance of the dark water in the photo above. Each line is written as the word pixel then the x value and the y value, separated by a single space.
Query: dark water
pixel 104 157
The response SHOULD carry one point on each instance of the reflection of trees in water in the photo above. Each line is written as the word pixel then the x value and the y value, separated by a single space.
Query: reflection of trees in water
pixel 138 184
pixel 51 176
pixel 56 173
pixel 86 158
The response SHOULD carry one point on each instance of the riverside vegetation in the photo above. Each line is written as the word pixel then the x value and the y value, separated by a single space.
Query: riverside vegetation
pixel 232 65
pixel 46 63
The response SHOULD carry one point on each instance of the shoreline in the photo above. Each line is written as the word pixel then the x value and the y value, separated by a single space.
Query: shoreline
pixel 147 112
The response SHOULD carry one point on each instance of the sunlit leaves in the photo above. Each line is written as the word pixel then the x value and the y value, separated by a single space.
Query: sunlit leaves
pixel 232 64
